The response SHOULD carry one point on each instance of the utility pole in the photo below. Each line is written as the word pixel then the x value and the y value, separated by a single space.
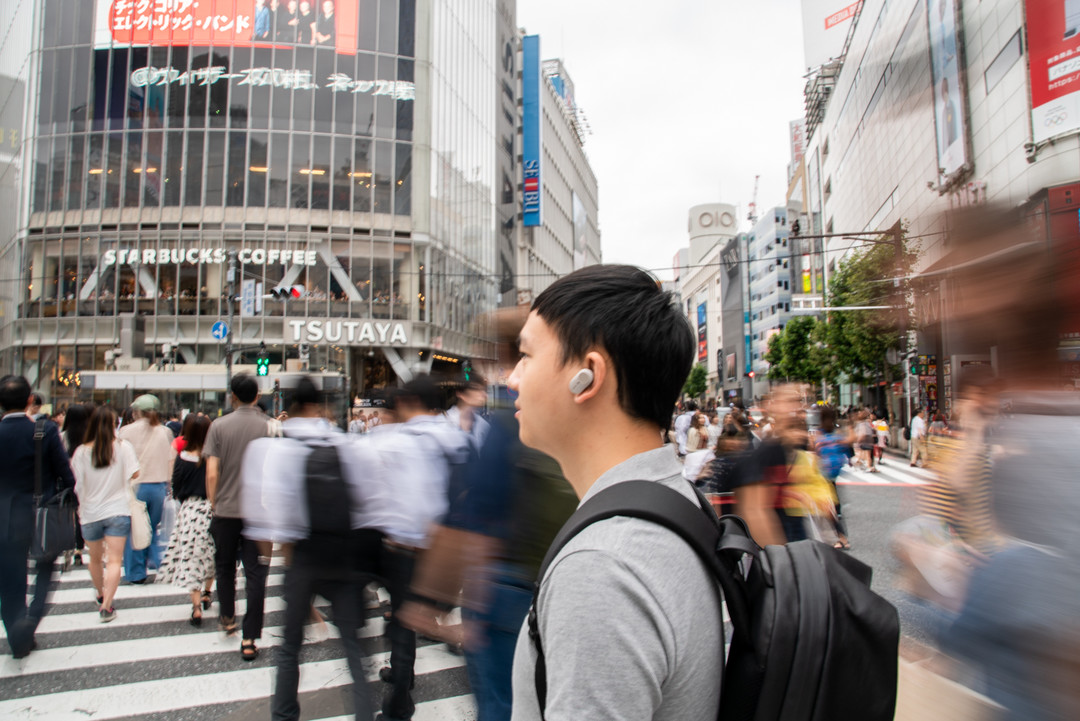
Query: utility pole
pixel 896 231
pixel 231 285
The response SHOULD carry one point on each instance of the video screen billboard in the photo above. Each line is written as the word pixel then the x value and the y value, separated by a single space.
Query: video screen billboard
pixel 1053 40
pixel 950 93
pixel 237 23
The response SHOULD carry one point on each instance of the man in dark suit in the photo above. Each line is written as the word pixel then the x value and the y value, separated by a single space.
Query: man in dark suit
pixel 17 507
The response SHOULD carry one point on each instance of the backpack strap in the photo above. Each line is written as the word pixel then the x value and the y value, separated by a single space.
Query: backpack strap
pixel 657 503
pixel 39 442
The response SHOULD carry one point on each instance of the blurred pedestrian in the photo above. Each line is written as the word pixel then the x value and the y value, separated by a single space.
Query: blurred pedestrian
pixel 104 468
pixel 918 437
pixel 682 425
pixel 153 446
pixel 320 495
pixel 226 442
pixel 697 437
pixel 831 449
pixel 189 559
pixel 17 481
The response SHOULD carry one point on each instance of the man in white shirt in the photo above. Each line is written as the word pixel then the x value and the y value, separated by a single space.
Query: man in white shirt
pixel 682 426
pixel 918 437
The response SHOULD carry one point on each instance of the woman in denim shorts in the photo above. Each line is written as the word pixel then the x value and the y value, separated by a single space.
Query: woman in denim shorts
pixel 104 468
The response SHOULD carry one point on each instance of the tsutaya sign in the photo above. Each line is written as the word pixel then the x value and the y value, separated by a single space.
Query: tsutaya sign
pixel 357 332
pixel 197 256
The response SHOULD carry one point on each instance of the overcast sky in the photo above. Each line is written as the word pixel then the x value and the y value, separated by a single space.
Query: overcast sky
pixel 687 100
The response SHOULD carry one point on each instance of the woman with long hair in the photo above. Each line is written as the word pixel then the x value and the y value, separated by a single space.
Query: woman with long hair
pixel 189 560
pixel 697 436
pixel 104 467
pixel 153 445
pixel 73 432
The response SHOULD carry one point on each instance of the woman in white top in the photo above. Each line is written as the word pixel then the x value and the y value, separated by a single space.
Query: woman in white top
pixel 103 468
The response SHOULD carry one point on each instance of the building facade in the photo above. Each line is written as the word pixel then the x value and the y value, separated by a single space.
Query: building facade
pixel 566 233
pixel 363 152
pixel 940 105
pixel 710 227
pixel 769 287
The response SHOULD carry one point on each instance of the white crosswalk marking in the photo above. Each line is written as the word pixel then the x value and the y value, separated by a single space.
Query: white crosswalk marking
pixel 892 471
pixel 150 662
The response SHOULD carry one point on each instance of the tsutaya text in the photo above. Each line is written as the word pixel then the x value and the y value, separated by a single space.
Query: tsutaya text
pixel 348 331
pixel 287 78
pixel 197 256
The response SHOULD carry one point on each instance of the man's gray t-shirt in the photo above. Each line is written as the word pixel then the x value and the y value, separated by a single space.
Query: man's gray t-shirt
pixel 630 619
pixel 227 440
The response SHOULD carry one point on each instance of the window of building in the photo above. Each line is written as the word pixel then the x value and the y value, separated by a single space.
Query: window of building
pixel 1004 61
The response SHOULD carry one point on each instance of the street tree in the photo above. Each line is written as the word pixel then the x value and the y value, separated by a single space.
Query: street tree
pixel 792 355
pixel 696 382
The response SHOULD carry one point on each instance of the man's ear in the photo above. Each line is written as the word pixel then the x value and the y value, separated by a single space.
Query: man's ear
pixel 601 369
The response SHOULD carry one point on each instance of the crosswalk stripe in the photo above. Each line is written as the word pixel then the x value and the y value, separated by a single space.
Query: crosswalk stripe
pixel 148 649
pixel 81 574
pixel 457 708
pixel 170 694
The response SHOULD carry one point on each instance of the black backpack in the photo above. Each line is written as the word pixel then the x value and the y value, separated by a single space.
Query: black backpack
pixel 811 642
pixel 329 505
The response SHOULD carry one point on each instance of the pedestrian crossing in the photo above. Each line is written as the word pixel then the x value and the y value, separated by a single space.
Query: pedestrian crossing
pixel 150 663
pixel 893 471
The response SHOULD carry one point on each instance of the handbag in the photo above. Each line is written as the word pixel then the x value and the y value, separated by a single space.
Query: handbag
pixel 55 518
pixel 141 531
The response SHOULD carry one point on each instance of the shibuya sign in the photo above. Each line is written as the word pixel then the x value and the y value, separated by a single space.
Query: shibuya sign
pixel 357 332
pixel 201 256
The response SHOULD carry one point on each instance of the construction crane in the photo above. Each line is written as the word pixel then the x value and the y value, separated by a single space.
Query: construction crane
pixel 752 215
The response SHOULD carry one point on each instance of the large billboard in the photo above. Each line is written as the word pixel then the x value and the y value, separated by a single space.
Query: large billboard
pixel 702 337
pixel 237 23
pixel 532 196
pixel 950 88
pixel 825 27
pixel 1053 40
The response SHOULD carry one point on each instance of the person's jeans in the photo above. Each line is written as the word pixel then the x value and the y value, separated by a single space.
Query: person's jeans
pixel 230 545
pixel 135 561
pixel 397 568
pixel 302 581
pixel 492 635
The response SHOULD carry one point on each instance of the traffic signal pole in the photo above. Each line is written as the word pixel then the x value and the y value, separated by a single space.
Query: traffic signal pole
pixel 231 285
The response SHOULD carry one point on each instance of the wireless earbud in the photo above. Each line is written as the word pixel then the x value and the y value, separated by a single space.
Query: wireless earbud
pixel 581 380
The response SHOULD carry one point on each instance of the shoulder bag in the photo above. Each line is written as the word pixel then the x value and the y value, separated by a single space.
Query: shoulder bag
pixel 55 517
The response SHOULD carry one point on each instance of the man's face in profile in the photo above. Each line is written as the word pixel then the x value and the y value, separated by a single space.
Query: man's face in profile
pixel 542 384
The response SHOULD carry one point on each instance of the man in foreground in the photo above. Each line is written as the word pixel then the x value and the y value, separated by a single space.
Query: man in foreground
pixel 604 354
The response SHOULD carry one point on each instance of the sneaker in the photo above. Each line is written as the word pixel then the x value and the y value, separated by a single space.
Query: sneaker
pixel 107 614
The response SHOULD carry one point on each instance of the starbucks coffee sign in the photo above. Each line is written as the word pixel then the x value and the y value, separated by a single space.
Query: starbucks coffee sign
pixel 348 332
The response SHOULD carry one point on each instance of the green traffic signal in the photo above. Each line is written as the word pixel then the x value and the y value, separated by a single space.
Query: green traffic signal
pixel 262 367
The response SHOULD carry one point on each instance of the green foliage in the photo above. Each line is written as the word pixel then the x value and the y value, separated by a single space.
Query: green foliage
pixel 696 382
pixel 792 355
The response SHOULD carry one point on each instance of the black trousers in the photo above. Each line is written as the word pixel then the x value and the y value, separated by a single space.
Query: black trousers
pixel 306 577
pixel 20 631
pixel 397 564
pixel 231 546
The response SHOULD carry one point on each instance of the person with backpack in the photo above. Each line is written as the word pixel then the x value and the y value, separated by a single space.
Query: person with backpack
pixel 317 493
pixel 422 457
pixel 626 594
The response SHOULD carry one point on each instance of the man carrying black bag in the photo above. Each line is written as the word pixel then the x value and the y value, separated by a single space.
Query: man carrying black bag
pixel 17 516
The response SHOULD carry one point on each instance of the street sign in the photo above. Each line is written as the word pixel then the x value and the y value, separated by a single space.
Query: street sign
pixel 220 330
pixel 247 297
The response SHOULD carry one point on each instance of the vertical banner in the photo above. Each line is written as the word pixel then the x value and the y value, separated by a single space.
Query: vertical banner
pixel 702 338
pixel 531 129
pixel 950 88
pixel 1053 41
pixel 247 298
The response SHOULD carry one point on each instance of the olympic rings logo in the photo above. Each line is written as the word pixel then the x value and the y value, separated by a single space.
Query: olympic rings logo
pixel 1056 119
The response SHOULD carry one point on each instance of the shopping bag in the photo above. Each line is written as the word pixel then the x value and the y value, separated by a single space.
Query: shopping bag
pixel 141 531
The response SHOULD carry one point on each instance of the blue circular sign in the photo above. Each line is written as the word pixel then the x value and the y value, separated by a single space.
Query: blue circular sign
pixel 220 330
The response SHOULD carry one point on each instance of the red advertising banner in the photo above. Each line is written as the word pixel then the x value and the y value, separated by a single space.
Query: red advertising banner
pixel 237 23
pixel 1053 41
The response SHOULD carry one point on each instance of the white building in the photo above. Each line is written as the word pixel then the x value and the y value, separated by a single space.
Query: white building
pixel 568 236
pixel 769 273
pixel 933 106
pixel 710 227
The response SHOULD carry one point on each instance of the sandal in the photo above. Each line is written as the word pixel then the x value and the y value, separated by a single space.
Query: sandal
pixel 227 625
pixel 196 621
pixel 248 652
pixel 842 546
pixel 206 600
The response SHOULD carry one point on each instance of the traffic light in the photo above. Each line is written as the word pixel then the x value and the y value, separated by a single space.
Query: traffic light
pixel 914 366
pixel 466 368
pixel 750 375
pixel 262 363
pixel 796 228
pixel 287 292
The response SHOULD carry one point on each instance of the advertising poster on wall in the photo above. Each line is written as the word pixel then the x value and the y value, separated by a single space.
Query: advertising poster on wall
pixel 950 94
pixel 531 135
pixel 730 367
pixel 237 23
pixel 1053 41
pixel 702 338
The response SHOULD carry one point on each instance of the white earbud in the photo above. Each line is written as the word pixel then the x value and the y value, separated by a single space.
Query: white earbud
pixel 581 380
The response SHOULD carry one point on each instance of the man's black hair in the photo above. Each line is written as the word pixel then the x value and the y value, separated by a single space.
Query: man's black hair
pixel 305 392
pixel 423 391
pixel 244 387
pixel 14 394
pixel 691 405
pixel 37 399
pixel 622 310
